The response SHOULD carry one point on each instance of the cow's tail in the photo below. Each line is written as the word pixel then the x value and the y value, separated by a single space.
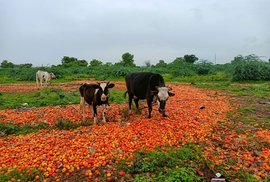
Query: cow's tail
pixel 125 94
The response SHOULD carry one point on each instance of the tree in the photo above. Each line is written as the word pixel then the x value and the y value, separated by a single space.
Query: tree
pixel 147 64
pixel 108 64
pixel 71 61
pixel 161 63
pixel 127 60
pixel 238 59
pixel 177 61
pixel 95 62
pixel 203 67
pixel 67 60
pixel 81 63
pixel 253 57
pixel 249 67
pixel 179 67
pixel 190 58
pixel 7 64
pixel 26 65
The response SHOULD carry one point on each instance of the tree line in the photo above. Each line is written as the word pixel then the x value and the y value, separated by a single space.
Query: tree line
pixel 241 68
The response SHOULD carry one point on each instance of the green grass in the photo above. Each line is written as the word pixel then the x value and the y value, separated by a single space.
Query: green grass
pixel 259 90
pixel 25 175
pixel 218 77
pixel 172 175
pixel 167 165
pixel 117 96
pixel 60 124
pixel 246 110
pixel 10 128
pixel 44 97
pixel 49 97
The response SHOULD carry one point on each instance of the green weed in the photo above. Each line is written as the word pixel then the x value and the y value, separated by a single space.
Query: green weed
pixel 48 97
pixel 167 164
pixel 25 175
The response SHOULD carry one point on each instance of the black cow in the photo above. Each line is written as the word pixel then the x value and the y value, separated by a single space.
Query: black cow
pixel 95 95
pixel 146 85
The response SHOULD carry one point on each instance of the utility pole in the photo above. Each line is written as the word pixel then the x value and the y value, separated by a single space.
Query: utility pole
pixel 215 58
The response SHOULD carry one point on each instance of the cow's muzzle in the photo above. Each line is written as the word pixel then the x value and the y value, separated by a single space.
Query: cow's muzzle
pixel 161 108
pixel 103 97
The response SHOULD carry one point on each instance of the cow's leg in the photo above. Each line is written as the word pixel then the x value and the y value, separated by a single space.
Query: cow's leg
pixel 37 79
pixel 104 112
pixel 136 101
pixel 130 97
pixel 91 108
pixel 82 107
pixel 95 113
pixel 41 82
pixel 149 104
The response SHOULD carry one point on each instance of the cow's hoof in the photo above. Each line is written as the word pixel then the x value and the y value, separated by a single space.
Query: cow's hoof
pixel 165 115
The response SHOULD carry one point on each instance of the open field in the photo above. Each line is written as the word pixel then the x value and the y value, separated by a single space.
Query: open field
pixel 207 131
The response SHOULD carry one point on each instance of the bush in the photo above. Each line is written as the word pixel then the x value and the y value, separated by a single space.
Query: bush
pixel 22 74
pixel 251 70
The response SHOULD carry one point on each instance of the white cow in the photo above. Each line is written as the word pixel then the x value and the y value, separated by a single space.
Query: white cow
pixel 43 76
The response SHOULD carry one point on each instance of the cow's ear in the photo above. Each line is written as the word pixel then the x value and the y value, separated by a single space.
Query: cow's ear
pixel 111 85
pixel 171 94
pixel 169 88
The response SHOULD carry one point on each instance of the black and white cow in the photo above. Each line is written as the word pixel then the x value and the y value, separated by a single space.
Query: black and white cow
pixel 95 95
pixel 146 85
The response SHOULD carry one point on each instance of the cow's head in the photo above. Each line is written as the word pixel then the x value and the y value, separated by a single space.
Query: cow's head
pixel 162 94
pixel 103 90
pixel 52 75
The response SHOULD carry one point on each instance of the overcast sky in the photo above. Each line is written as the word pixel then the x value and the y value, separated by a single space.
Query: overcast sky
pixel 41 32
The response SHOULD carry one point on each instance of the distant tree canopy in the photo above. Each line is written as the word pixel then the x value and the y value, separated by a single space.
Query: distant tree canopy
pixel 190 58
pixel 7 64
pixel 241 68
pixel 241 59
pixel 147 63
pixel 177 61
pixel 179 67
pixel 26 65
pixel 127 60
pixel 71 61
pixel 161 63
pixel 203 67
pixel 95 62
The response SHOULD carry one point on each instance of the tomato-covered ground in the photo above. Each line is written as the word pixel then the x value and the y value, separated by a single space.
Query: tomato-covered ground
pixel 195 115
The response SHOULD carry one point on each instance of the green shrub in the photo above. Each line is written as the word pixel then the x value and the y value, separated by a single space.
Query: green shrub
pixel 250 68
pixel 168 165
